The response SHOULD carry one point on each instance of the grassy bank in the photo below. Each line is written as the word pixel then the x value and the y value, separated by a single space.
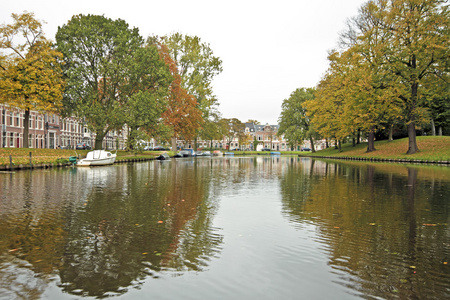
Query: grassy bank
pixel 432 148
pixel 53 156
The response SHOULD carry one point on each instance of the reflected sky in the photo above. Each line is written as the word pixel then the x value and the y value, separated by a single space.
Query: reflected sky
pixel 250 228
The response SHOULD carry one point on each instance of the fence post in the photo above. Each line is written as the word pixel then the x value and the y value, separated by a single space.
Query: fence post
pixel 10 163
pixel 31 162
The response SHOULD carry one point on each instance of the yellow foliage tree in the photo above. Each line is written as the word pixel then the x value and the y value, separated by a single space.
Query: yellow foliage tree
pixel 30 72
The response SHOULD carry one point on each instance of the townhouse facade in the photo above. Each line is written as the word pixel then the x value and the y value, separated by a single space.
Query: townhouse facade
pixel 50 131
pixel 255 138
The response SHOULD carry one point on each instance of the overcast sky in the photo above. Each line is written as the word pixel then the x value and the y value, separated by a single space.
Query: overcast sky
pixel 268 48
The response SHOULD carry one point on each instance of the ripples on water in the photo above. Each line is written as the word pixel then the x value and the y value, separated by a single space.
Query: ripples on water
pixel 226 228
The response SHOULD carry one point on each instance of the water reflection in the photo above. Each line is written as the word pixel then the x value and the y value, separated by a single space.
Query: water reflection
pixel 386 232
pixel 105 229
pixel 260 227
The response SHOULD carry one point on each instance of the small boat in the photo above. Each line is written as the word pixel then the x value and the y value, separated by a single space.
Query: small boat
pixel 275 153
pixel 199 153
pixel 163 156
pixel 97 158
pixel 206 153
pixel 229 154
pixel 179 154
pixel 187 152
pixel 217 153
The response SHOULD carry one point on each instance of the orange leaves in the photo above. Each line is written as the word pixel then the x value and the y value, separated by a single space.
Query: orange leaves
pixel 182 112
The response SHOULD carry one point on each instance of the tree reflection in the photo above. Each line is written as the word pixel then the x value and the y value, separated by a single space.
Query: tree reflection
pixel 387 235
pixel 113 227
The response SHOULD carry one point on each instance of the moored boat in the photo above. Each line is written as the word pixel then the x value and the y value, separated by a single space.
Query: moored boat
pixel 97 158
pixel 163 156
pixel 217 153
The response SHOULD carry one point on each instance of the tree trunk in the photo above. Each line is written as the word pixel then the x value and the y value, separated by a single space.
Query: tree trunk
pixel 336 144
pixel 358 138
pixel 313 150
pixel 412 144
pixel 371 141
pixel 99 140
pixel 26 127
pixel 440 131
pixel 131 142
pixel 433 128
pixel 326 144
pixel 339 146
pixel 353 141
pixel 174 143
pixel 391 133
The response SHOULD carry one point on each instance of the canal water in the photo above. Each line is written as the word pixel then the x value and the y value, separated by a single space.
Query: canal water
pixel 227 228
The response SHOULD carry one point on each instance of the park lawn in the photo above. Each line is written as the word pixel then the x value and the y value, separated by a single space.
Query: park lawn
pixel 434 148
pixel 49 156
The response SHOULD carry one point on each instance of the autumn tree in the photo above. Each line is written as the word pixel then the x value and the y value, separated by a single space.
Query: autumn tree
pixel 181 113
pixel 234 129
pixel 327 110
pixel 98 54
pixel 211 130
pixel 295 124
pixel 197 67
pixel 414 38
pixel 30 73
pixel 254 122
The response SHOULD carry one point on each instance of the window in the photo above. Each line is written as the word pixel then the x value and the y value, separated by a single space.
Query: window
pixel 11 139
pixel 10 119
pixel 17 120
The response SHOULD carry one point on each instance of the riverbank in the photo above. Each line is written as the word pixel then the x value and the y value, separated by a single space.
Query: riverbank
pixel 433 149
pixel 23 158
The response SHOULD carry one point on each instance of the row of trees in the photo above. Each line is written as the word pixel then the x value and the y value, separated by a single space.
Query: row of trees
pixel 106 74
pixel 392 70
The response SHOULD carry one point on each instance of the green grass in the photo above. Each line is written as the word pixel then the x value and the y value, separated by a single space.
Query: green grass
pixel 51 156
pixel 434 148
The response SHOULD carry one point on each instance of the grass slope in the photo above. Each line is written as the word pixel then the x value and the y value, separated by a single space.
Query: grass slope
pixel 435 148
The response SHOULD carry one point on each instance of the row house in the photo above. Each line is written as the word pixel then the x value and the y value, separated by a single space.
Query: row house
pixel 50 131
pixel 265 135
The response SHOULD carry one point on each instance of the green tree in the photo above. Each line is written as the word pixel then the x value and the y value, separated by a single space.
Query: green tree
pixel 294 122
pixel 30 73
pixel 233 128
pixel 98 54
pixel 415 47
pixel 197 66
pixel 148 89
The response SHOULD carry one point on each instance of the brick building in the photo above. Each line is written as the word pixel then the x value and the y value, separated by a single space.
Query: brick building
pixel 50 131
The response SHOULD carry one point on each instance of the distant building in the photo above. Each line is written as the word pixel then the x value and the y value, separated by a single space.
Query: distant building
pixel 50 131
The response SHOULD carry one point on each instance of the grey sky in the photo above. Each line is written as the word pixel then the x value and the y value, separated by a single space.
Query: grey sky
pixel 268 48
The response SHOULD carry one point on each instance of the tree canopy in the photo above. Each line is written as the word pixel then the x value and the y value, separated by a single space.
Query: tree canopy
pixel 295 124
pixel 395 56
pixel 110 71
pixel 30 70
pixel 197 66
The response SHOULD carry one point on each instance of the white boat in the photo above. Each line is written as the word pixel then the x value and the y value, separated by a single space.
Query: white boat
pixel 97 158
